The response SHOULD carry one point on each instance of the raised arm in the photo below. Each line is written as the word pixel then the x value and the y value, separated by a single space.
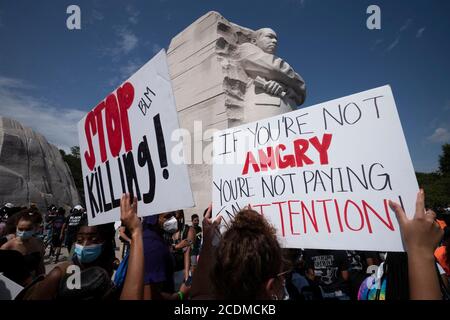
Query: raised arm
pixel 133 288
pixel 201 284
pixel 421 235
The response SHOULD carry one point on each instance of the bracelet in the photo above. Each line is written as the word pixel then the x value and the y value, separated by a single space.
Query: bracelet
pixel 180 295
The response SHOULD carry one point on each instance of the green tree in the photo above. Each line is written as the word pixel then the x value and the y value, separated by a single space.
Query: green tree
pixel 74 162
pixel 75 151
pixel 444 160
pixel 437 184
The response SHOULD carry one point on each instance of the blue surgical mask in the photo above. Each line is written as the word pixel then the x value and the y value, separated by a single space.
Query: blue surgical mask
pixel 87 254
pixel 24 235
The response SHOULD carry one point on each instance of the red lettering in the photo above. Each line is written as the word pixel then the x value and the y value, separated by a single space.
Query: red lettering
pixel 346 215
pixel 338 215
pixel 290 217
pixel 250 160
pixel 101 136
pixel 387 223
pixel 300 147
pixel 90 130
pixel 287 160
pixel 281 216
pixel 261 206
pixel 322 148
pixel 311 218
pixel 267 159
pixel 125 95
pixel 113 127
pixel 325 212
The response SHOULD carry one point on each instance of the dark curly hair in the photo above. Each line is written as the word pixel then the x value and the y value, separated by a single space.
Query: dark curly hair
pixel 248 255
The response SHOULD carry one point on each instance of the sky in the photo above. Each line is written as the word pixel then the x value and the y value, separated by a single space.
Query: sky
pixel 51 76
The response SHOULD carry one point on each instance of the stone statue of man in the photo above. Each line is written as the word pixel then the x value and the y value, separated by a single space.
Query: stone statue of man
pixel 269 72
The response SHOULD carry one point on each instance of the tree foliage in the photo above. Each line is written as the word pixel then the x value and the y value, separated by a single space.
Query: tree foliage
pixel 437 184
pixel 74 162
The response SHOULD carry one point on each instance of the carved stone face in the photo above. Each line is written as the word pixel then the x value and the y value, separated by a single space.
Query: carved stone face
pixel 267 40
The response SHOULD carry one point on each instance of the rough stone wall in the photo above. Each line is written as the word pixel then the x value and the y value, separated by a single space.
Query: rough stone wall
pixel 32 170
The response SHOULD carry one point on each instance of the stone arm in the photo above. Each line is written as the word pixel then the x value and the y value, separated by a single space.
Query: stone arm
pixel 256 62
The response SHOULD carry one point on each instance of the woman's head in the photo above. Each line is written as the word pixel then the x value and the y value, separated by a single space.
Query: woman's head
pixel 249 262
pixel 26 225
pixel 93 245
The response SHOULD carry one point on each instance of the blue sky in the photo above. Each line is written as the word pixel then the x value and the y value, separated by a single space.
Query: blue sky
pixel 50 76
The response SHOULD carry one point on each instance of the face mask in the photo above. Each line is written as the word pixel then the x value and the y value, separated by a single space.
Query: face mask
pixel 24 234
pixel 87 254
pixel 171 225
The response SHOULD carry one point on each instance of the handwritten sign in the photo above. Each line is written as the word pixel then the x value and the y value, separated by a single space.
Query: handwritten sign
pixel 321 175
pixel 125 146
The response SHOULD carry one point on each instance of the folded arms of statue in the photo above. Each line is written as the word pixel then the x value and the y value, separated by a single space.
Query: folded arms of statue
pixel 256 63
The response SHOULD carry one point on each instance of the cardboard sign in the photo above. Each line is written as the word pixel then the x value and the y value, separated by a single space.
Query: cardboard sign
pixel 321 175
pixel 8 288
pixel 125 147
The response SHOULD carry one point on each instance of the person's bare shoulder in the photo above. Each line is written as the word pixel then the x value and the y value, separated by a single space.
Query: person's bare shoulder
pixel 9 245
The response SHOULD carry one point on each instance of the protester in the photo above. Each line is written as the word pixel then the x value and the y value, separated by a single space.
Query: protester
pixel 197 241
pixel 71 226
pixel 27 244
pixel 300 282
pixel 247 264
pixel 56 229
pixel 331 271
pixel 5 212
pixel 94 257
pixel 159 262
pixel 359 263
pixel 180 243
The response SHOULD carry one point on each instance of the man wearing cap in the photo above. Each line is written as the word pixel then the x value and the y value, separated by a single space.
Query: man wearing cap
pixel 70 227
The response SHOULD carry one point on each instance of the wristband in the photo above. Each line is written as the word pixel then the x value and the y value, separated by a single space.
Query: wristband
pixel 180 295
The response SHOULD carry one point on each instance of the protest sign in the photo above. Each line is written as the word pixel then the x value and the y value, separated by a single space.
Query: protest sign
pixel 321 175
pixel 125 146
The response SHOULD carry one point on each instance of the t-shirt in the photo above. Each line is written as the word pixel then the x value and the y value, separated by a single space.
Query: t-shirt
pixel 158 261
pixel 73 221
pixel 57 223
pixel 327 265
pixel 197 241
pixel 358 260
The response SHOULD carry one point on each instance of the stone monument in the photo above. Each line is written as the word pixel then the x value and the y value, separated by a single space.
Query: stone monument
pixel 225 75
pixel 32 170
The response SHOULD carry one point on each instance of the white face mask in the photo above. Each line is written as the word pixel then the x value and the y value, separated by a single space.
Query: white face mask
pixel 171 225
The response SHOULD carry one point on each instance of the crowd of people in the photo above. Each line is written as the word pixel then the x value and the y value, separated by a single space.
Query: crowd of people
pixel 162 257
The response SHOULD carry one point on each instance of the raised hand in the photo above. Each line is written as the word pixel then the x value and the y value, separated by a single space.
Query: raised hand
pixel 422 233
pixel 128 213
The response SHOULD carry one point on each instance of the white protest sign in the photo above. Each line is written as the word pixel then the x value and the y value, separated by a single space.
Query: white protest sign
pixel 125 147
pixel 321 175
pixel 8 288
